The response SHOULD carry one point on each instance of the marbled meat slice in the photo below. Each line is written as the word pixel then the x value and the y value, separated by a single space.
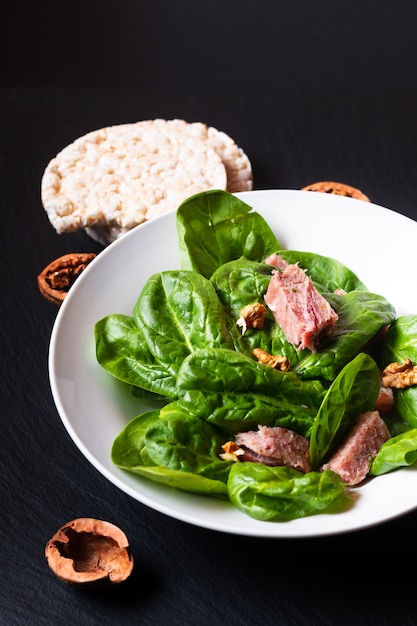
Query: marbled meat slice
pixel 352 460
pixel 275 446
pixel 276 260
pixel 303 314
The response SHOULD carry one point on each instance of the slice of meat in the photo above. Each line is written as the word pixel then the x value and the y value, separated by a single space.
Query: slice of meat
pixel 276 260
pixel 354 457
pixel 275 446
pixel 385 400
pixel 299 308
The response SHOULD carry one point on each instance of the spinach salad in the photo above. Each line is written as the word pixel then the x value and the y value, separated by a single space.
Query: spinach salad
pixel 182 349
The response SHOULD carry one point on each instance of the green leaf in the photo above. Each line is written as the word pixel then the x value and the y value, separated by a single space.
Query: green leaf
pixel 237 393
pixel 175 449
pixel 215 226
pixel 281 494
pixel 122 350
pixel 239 283
pixel 354 391
pixel 184 481
pixel 183 442
pixel 128 449
pixel 399 451
pixel 179 312
pixel 401 340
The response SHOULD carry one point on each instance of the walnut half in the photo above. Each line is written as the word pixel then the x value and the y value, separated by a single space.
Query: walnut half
pixel 252 316
pixel 57 278
pixel 276 361
pixel 338 189
pixel 400 375
pixel 90 552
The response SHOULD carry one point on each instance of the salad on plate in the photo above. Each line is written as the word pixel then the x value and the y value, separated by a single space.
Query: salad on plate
pixel 279 382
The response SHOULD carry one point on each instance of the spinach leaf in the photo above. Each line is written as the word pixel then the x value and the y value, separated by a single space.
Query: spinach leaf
pixel 281 494
pixel 183 442
pixel 236 393
pixel 406 405
pixel 239 283
pixel 399 451
pixel 401 344
pixel 401 340
pixel 176 313
pixel 179 312
pixel 128 449
pixel 185 481
pixel 173 448
pixel 214 227
pixel 123 351
pixel 354 391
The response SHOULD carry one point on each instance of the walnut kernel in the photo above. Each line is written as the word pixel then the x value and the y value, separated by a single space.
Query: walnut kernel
pixel 252 316
pixel 400 375
pixel 276 361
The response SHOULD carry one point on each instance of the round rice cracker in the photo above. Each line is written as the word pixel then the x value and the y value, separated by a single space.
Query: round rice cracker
pixel 237 164
pixel 114 178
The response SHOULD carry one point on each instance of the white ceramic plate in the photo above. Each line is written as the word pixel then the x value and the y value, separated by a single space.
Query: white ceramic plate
pixel 94 407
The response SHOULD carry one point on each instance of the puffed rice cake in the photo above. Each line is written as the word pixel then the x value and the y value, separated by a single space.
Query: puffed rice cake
pixel 114 178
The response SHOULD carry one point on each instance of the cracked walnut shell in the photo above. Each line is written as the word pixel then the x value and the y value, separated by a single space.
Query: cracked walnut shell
pixel 57 278
pixel 338 189
pixel 90 552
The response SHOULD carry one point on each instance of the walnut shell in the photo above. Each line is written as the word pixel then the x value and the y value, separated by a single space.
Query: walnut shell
pixel 57 278
pixel 338 189
pixel 90 552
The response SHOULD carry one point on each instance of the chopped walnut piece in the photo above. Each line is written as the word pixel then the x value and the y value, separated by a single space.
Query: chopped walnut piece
pixel 252 316
pixel 276 361
pixel 400 375
pixel 232 452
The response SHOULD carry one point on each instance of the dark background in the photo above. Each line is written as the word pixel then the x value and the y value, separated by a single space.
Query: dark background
pixel 311 91
pixel 232 45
